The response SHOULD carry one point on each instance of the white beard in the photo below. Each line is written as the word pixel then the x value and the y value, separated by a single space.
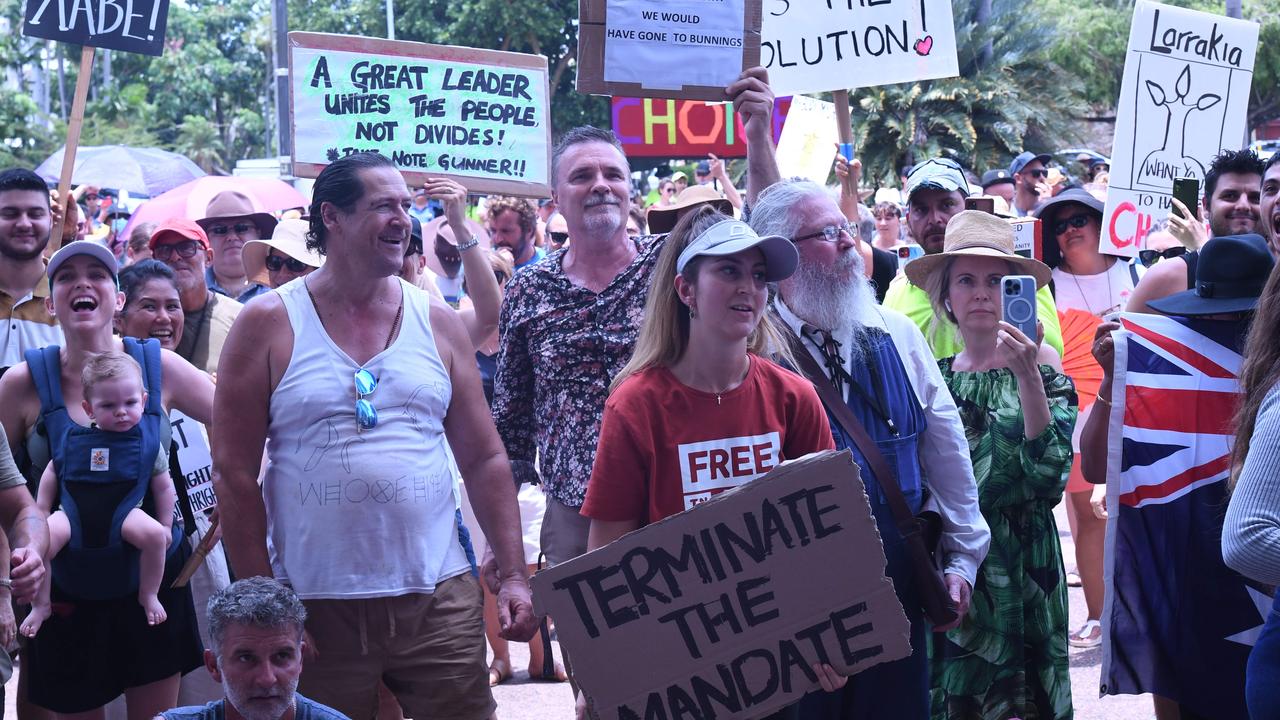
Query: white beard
pixel 834 298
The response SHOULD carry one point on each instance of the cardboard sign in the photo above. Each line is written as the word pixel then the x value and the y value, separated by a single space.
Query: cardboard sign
pixel 478 116
pixel 811 46
pixel 807 146
pixel 685 128
pixel 1026 238
pixel 655 48
pixel 1184 99
pixel 732 600
pixel 195 460
pixel 136 26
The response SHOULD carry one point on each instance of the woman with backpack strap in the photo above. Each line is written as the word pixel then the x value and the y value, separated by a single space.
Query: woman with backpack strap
pixel 94 650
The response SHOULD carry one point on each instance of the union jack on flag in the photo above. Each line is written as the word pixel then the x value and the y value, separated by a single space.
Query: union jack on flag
pixel 1177 621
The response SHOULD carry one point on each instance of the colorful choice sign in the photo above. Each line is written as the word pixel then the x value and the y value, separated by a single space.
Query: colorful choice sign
pixel 650 127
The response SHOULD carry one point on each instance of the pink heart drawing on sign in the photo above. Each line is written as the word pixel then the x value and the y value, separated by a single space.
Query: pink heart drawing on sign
pixel 924 45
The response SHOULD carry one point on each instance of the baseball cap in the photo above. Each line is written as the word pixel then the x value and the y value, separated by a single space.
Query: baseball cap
pixel 1026 158
pixel 937 174
pixel 703 168
pixel 181 227
pixel 679 175
pixel 996 177
pixel 733 236
pixel 93 249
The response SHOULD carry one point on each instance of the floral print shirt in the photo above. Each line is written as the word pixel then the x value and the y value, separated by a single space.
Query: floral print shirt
pixel 561 346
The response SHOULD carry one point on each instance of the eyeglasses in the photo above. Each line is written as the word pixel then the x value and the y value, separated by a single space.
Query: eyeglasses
pixel 1151 257
pixel 185 250
pixel 91 196
pixel 1075 221
pixel 830 233
pixel 559 238
pixel 1041 173
pixel 366 413
pixel 238 229
pixel 275 263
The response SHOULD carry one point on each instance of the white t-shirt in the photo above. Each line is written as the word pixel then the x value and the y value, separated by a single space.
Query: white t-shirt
pixel 1100 294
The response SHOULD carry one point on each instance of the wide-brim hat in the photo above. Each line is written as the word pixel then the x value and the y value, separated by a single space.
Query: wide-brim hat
pixel 229 206
pixel 1050 248
pixel 92 248
pixel 663 219
pixel 729 237
pixel 973 233
pixel 290 238
pixel 1230 275
pixel 440 226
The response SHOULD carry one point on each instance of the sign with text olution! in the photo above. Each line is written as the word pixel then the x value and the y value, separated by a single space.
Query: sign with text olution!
pixel 479 116
pixel 810 46
pixel 651 127
pixel 1184 99
pixel 732 601
pixel 136 26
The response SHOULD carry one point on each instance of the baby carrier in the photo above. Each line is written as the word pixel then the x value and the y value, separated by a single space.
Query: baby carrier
pixel 102 476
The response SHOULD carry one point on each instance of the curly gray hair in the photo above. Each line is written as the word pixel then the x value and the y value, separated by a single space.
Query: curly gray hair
pixel 257 601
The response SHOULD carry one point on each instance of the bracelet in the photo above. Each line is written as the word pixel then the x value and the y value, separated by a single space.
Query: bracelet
pixel 6 583
pixel 1103 400
pixel 463 247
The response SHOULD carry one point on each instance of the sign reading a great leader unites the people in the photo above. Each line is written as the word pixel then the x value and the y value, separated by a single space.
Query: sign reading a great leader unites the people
pixel 811 46
pixel 733 600
pixel 1184 99
pixel 479 116
pixel 136 26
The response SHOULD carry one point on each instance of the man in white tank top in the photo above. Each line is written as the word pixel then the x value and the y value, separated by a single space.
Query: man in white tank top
pixel 353 380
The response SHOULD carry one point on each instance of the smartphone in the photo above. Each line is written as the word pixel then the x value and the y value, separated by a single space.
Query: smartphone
pixel 1019 297
pixel 1187 190
pixel 907 253
pixel 984 204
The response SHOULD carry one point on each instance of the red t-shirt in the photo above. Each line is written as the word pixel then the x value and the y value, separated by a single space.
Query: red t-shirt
pixel 665 447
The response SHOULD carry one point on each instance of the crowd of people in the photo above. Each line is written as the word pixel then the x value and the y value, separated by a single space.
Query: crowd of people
pixel 412 402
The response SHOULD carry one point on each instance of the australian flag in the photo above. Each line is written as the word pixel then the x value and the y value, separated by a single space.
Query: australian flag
pixel 1177 621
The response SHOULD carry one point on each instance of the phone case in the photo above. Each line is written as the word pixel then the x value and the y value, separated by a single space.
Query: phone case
pixel 1018 296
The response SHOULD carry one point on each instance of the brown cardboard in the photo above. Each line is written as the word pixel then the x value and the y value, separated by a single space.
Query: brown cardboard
pixel 806 571
pixel 591 40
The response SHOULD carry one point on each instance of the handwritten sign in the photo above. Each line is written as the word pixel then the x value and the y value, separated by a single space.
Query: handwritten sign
pixel 479 116
pixel 1184 99
pixel 649 127
pixel 807 146
pixel 136 26
pixel 195 460
pixel 732 600
pixel 810 47
pixel 656 48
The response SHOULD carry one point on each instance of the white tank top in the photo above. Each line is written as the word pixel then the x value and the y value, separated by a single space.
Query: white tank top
pixel 361 514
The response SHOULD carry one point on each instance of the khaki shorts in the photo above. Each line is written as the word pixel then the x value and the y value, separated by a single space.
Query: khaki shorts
pixel 564 532
pixel 427 649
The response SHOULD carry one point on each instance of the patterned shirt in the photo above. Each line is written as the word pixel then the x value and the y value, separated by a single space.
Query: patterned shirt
pixel 561 346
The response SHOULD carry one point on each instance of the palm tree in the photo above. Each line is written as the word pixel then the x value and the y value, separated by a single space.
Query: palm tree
pixel 199 140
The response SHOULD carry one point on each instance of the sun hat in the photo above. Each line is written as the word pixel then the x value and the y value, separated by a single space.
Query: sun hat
pixel 663 219
pixel 728 237
pixel 439 227
pixel 290 238
pixel 1229 278
pixel 93 249
pixel 981 234
pixel 181 227
pixel 229 206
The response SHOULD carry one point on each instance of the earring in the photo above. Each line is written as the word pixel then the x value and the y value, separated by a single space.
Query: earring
pixel 693 312
pixel 947 304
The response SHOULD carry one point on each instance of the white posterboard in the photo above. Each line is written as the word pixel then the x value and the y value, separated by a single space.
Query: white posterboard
pixel 1184 99
pixel 195 460
pixel 666 46
pixel 806 147
pixel 811 46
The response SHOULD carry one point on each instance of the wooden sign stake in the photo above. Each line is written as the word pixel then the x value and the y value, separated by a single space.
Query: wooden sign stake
pixel 844 127
pixel 73 140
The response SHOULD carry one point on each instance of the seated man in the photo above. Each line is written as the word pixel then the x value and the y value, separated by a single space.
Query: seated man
pixel 255 652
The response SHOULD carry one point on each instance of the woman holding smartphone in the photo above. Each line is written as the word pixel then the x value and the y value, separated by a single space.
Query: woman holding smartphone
pixel 1008 657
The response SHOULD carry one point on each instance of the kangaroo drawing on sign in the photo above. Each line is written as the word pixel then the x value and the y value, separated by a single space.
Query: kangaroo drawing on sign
pixel 1171 160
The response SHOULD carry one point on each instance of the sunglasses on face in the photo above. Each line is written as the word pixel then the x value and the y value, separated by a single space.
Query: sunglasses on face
pixel 275 263
pixel 238 229
pixel 1038 174
pixel 830 233
pixel 1075 221
pixel 185 250
pixel 1151 257
pixel 559 238
pixel 366 413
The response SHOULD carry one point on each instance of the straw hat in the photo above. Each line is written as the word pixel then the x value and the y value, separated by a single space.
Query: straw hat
pixel 976 233
pixel 439 228
pixel 663 219
pixel 290 238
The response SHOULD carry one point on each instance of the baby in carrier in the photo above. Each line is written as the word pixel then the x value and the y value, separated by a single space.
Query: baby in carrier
pixel 114 400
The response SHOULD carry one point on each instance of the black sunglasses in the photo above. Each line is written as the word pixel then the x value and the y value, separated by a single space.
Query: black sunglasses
pixel 275 263
pixel 558 238
pixel 1151 257
pixel 1041 173
pixel 185 250
pixel 1075 221
pixel 238 228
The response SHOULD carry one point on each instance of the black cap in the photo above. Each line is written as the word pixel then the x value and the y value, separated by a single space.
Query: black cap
pixel 996 177
pixel 1027 158
pixel 1229 278
pixel 704 168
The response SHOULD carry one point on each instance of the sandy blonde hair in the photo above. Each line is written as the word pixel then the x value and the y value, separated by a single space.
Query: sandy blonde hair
pixel 108 366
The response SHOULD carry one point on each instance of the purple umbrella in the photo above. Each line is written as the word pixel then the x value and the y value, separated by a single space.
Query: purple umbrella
pixel 140 171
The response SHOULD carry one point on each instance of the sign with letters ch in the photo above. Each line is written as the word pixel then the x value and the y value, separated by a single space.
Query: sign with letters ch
pixel 1184 99
pixel 478 116
pixel 733 600
pixel 136 26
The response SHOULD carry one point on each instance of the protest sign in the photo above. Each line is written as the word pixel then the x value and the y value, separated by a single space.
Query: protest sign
pixel 654 48
pixel 1184 99
pixel 810 47
pixel 732 600
pixel 136 26
pixel 478 116
pixel 195 461
pixel 1026 237
pixel 649 127
pixel 807 146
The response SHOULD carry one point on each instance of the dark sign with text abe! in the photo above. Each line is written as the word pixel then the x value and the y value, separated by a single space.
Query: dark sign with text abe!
pixel 135 26
pixel 720 611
